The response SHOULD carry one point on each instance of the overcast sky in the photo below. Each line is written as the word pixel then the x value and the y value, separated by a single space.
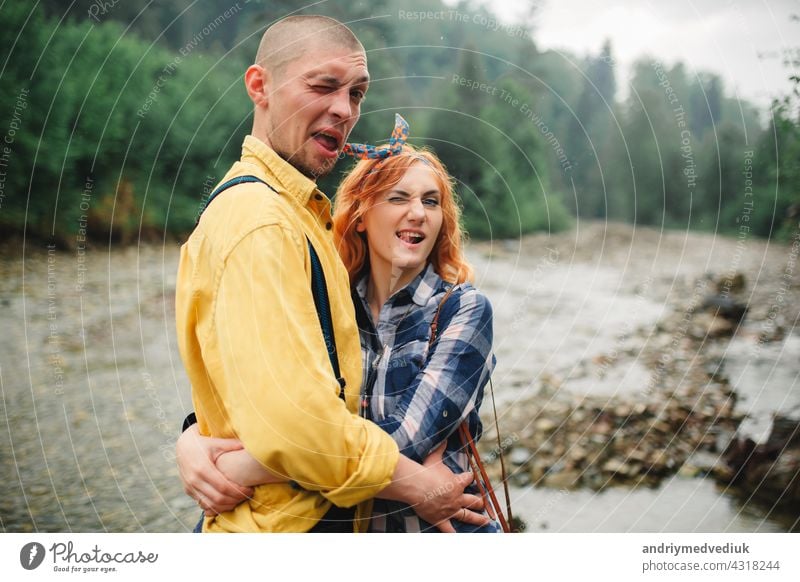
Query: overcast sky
pixel 722 36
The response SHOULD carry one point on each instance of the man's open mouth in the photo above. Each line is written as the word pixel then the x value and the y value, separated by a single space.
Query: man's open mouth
pixel 328 140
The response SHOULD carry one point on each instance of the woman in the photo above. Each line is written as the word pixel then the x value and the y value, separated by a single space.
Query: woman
pixel 396 223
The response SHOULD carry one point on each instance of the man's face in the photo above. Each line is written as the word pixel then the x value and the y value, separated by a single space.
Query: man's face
pixel 314 103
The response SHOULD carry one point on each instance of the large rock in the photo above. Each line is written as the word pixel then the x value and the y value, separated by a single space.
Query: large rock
pixel 769 472
pixel 725 307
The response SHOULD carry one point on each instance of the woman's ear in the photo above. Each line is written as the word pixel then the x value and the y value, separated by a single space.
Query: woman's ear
pixel 257 82
pixel 360 225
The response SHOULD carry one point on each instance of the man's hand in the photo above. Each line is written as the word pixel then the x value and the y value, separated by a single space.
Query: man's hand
pixel 434 492
pixel 447 499
pixel 202 481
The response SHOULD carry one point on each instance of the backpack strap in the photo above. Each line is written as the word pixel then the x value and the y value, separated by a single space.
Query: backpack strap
pixel 319 288
pixel 475 463
pixel 321 301
pixel 229 184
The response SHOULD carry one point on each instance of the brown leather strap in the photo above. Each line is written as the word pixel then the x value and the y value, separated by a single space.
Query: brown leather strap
pixel 465 435
pixel 435 320
pixel 503 472
pixel 476 472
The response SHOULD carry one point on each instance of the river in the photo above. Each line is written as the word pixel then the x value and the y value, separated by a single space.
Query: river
pixel 93 391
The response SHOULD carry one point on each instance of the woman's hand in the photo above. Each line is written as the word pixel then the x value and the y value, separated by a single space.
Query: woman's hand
pixel 202 480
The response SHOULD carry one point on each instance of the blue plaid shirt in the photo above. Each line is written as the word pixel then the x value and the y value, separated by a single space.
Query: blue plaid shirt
pixel 420 398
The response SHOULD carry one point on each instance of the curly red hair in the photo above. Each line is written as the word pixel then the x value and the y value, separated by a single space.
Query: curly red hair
pixel 367 181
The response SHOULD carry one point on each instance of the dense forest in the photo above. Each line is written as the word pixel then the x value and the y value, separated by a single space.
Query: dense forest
pixel 119 116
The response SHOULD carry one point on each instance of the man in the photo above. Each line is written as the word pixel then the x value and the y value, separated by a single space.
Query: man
pixel 248 330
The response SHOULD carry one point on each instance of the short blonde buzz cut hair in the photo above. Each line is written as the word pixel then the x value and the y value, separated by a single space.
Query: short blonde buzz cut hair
pixel 290 37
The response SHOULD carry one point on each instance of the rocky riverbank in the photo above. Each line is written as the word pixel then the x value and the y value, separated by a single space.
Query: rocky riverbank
pixel 659 399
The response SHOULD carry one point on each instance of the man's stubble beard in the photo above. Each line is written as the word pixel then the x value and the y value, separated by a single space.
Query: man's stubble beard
pixel 310 172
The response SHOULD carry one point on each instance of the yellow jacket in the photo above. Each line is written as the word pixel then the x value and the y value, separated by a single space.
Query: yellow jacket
pixel 252 346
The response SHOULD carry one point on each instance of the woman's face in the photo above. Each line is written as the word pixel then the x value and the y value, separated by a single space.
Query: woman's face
pixel 404 223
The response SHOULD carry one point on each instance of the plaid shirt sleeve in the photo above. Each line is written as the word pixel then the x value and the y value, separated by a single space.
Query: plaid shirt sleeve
pixel 446 390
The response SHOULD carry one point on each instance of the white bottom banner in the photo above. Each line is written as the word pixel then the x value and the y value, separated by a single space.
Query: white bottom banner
pixel 389 557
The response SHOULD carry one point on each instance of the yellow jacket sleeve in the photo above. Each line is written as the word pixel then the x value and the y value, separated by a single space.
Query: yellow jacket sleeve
pixel 274 377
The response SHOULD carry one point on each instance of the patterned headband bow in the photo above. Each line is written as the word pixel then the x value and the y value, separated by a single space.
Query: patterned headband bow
pixel 363 151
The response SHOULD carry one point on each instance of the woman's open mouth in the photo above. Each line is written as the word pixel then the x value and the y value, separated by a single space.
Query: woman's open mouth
pixel 410 237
